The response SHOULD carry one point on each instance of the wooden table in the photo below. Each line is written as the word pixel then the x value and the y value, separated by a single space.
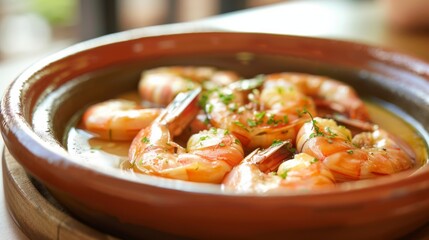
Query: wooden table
pixel 359 21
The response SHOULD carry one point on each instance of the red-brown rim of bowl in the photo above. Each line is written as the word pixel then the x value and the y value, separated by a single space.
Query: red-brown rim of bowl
pixel 33 150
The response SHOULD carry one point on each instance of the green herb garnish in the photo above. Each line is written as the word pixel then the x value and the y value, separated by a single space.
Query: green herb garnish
pixel 226 98
pixel 284 174
pixel 276 142
pixel 240 125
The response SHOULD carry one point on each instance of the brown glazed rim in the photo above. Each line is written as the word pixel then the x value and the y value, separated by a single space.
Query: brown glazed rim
pixel 49 161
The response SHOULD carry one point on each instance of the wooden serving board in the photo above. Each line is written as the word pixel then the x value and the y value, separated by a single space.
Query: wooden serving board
pixel 40 216
pixel 36 212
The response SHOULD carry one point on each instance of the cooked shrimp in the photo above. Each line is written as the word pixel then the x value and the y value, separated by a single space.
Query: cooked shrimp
pixel 117 119
pixel 302 172
pixel 327 93
pixel 198 124
pixel 366 155
pixel 259 118
pixel 209 155
pixel 161 85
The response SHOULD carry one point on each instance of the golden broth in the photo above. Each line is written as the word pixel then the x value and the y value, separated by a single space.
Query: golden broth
pixel 399 127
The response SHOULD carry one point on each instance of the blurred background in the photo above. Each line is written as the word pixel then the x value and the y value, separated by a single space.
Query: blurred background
pixel 31 29
pixel 31 26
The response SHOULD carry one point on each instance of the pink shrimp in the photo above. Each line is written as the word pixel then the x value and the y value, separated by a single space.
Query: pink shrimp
pixel 275 111
pixel 366 155
pixel 209 155
pixel 118 119
pixel 257 172
pixel 329 95
pixel 258 118
pixel 161 85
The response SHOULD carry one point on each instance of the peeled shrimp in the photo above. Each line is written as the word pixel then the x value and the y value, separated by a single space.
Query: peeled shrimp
pixel 303 172
pixel 209 155
pixel 366 155
pixel 329 95
pixel 117 119
pixel 259 118
pixel 161 85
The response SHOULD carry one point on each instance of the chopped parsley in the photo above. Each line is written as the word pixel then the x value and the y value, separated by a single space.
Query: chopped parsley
pixel 206 121
pixel 315 127
pixel 259 116
pixel 317 132
pixel 145 140
pixel 202 102
pixel 257 119
pixel 240 125
pixel 213 130
pixel 276 142
pixel 284 174
pixel 285 119
pixel 251 123
pixel 209 108
pixel 272 121
pixel 202 138
pixel 226 98
pixel 290 148
pixel 331 134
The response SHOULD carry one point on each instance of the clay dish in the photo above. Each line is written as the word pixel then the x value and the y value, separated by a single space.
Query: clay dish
pixel 40 105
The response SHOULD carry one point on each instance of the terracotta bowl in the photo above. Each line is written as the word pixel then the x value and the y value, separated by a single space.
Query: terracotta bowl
pixel 40 105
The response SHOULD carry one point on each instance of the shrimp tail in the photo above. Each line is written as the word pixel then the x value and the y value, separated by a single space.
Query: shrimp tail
pixel 270 158
pixel 327 108
pixel 355 125
pixel 180 112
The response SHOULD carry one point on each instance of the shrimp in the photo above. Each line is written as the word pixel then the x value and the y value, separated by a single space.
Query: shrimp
pixel 161 85
pixel 366 155
pixel 209 155
pixel 329 94
pixel 117 119
pixel 198 124
pixel 261 117
pixel 303 172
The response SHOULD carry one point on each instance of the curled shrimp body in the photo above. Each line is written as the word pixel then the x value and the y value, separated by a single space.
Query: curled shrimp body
pixel 161 85
pixel 259 118
pixel 366 155
pixel 328 94
pixel 209 155
pixel 198 124
pixel 117 119
pixel 302 172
